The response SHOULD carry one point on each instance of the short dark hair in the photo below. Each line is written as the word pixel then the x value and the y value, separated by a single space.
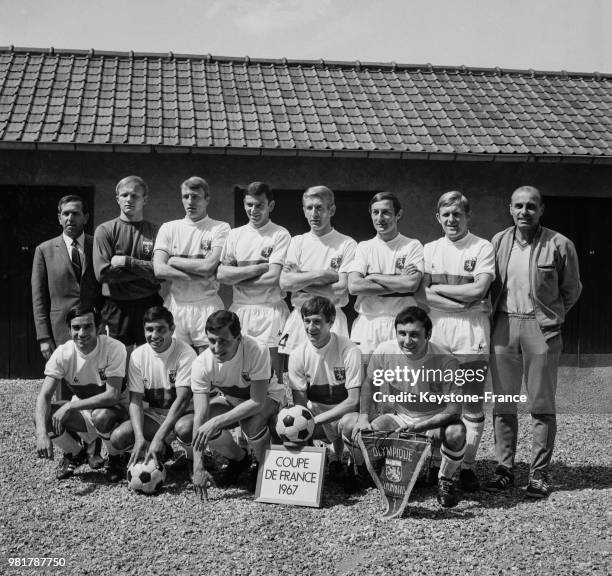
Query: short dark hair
pixel 72 198
pixel 158 313
pixel 196 183
pixel 222 318
pixel 319 305
pixel 256 189
pixel 81 310
pixel 135 181
pixel 413 314
pixel 380 196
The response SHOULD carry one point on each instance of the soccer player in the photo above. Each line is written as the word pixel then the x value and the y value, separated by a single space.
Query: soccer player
pixel 159 382
pixel 187 253
pixel 411 349
pixel 93 367
pixel 316 265
pixel 537 282
pixel 325 375
pixel 122 253
pixel 239 367
pixel 385 275
pixel 251 262
pixel 459 269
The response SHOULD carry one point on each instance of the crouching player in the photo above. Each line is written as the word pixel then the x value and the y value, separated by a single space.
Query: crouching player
pixel 325 375
pixel 239 367
pixel 159 382
pixel 93 366
pixel 412 399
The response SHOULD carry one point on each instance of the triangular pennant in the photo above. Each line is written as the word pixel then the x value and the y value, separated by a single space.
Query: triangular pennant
pixel 394 461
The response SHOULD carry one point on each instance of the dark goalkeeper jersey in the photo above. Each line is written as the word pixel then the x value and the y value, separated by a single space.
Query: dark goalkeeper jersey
pixel 135 240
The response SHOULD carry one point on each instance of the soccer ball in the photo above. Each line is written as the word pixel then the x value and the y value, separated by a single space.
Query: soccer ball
pixel 146 478
pixel 295 424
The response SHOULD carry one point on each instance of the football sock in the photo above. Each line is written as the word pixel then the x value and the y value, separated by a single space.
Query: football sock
pixel 224 444
pixel 436 457
pixel 338 450
pixel 67 442
pixel 259 443
pixel 474 426
pixel 354 451
pixel 112 451
pixel 451 460
pixel 188 449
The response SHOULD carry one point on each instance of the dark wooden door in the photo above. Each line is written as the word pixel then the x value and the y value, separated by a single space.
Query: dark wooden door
pixel 27 218
pixel 588 223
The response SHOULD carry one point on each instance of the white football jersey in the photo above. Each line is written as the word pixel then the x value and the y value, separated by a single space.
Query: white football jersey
pixel 376 256
pixel 448 262
pixel 189 239
pixel 157 376
pixel 333 251
pixel 325 374
pixel 234 377
pixel 431 374
pixel 87 374
pixel 248 245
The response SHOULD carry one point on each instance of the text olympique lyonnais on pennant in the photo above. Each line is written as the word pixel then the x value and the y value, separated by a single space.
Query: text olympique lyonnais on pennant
pixel 394 461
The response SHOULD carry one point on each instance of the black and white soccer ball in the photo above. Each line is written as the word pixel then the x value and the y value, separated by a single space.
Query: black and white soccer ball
pixel 295 425
pixel 146 478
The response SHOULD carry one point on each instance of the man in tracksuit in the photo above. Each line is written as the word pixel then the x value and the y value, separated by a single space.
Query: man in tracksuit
pixel 537 282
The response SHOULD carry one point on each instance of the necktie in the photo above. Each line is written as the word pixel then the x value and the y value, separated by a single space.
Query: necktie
pixel 76 260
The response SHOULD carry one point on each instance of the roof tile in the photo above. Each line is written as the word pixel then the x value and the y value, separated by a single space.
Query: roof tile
pixel 198 102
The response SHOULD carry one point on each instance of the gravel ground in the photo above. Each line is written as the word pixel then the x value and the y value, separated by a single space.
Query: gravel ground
pixel 105 529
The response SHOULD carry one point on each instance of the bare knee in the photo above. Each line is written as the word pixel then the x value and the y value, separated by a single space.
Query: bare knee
pixel 454 435
pixel 105 420
pixel 122 437
pixel 184 428
pixel 347 423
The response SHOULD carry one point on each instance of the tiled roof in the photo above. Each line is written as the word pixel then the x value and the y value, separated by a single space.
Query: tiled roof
pixel 125 101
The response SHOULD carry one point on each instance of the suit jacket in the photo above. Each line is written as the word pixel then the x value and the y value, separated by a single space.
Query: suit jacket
pixel 55 288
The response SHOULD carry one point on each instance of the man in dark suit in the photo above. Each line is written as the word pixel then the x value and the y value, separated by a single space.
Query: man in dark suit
pixel 63 275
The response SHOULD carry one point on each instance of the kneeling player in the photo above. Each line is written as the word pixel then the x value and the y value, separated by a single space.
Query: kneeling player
pixel 325 375
pixel 159 381
pixel 412 399
pixel 93 367
pixel 239 367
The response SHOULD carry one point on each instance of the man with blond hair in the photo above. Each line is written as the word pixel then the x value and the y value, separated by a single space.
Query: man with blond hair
pixel 186 255
pixel 459 269
pixel 316 265
pixel 122 253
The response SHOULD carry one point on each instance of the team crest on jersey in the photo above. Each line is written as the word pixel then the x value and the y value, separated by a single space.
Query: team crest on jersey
pixel 147 248
pixel 102 374
pixel 76 380
pixel 229 261
pixel 400 263
pixel 336 262
pixel 145 382
pixel 172 376
pixel 393 470
pixel 246 376
pixel 340 374
pixel 469 265
pixel 266 251
pixel 206 245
